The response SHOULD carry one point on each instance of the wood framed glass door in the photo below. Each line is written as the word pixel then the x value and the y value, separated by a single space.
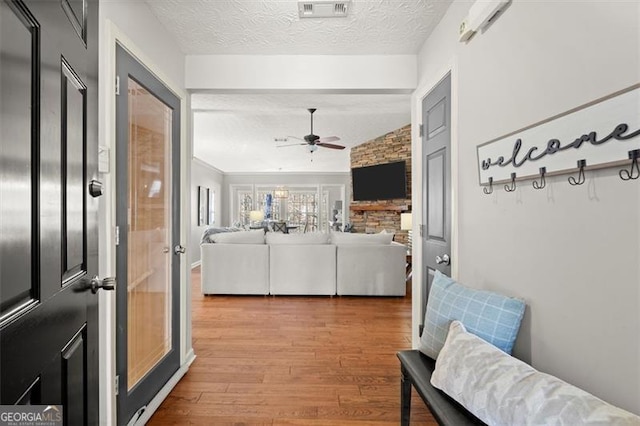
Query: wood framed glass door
pixel 148 254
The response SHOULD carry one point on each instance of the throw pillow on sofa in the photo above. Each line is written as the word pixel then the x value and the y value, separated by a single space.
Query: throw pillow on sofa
pixel 242 237
pixel 502 390
pixel 492 316
pixel 210 232
pixel 343 238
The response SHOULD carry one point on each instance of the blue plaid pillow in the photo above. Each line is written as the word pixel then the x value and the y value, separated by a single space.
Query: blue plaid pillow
pixel 490 316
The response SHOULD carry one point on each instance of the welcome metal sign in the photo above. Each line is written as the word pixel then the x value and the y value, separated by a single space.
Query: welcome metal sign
pixel 599 134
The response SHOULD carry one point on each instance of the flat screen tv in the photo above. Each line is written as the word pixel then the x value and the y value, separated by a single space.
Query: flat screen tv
pixel 379 182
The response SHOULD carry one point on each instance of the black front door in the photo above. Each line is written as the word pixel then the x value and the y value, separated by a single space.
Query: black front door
pixel 48 215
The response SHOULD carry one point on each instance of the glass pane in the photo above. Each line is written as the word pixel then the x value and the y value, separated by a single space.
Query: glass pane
pixel 302 210
pixel 149 233
pixel 269 204
pixel 325 216
pixel 245 206
pixel 212 207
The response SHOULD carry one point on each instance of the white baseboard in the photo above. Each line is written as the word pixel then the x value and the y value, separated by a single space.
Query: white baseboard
pixel 154 404
pixel 196 264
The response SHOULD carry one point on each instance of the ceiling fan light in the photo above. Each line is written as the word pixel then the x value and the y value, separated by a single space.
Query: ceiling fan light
pixel 312 148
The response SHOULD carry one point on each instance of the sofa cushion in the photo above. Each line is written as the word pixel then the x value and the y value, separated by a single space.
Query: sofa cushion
pixel 492 316
pixel 343 238
pixel 502 390
pixel 243 237
pixel 306 238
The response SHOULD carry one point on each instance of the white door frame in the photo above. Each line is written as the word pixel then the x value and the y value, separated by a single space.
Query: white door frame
pixel 110 34
pixel 416 184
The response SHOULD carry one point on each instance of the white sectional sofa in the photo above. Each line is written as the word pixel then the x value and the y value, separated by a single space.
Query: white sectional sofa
pixel 371 270
pixel 301 264
pixel 247 262
pixel 233 267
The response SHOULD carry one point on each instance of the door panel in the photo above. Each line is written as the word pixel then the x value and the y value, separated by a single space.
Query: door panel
pixel 74 367
pixel 73 175
pixel 436 192
pixel 436 184
pixel 48 243
pixel 19 77
pixel 148 216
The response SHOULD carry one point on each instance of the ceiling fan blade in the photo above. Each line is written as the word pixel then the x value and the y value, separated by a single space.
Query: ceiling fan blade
pixel 290 144
pixel 330 145
pixel 329 139
pixel 295 137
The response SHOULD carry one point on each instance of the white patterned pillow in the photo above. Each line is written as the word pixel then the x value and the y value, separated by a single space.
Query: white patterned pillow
pixel 502 390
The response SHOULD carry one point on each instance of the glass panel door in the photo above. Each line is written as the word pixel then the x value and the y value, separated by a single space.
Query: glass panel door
pixel 149 251
pixel 149 233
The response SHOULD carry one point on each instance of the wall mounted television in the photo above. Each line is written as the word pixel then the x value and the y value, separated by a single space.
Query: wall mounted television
pixel 380 182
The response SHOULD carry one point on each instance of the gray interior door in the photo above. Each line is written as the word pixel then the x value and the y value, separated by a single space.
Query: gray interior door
pixel 436 184
pixel 149 250
pixel 48 209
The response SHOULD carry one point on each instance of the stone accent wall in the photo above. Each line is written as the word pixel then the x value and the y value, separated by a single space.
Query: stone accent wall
pixel 394 146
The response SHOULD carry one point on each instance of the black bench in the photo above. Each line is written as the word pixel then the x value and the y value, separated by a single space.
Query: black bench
pixel 416 369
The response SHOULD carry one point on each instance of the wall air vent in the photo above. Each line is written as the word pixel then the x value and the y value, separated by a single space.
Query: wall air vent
pixel 323 8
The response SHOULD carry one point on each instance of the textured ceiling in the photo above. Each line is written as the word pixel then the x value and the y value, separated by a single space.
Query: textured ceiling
pixel 236 133
pixel 267 27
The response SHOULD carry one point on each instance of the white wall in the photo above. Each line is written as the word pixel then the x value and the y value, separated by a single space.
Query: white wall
pixel 133 25
pixel 572 253
pixel 202 174
pixel 335 73
pixel 137 21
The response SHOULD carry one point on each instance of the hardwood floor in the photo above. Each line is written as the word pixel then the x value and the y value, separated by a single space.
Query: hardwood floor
pixel 294 361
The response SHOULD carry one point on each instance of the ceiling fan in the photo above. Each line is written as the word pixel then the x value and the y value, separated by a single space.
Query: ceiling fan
pixel 314 141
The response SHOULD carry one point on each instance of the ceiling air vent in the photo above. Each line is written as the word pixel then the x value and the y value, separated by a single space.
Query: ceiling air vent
pixel 323 8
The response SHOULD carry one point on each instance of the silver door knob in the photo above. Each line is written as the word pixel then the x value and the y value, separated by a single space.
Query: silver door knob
pixel 107 284
pixel 444 259
pixel 179 249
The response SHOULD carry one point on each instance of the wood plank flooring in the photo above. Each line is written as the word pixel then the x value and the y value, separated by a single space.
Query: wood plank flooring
pixel 281 360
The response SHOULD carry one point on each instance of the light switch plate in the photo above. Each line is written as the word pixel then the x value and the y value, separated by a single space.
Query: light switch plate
pixel 103 159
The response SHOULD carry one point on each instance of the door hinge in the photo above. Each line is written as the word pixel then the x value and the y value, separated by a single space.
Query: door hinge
pixel 422 230
pixel 117 85
pixel 117 384
pixel 421 129
pixel 117 235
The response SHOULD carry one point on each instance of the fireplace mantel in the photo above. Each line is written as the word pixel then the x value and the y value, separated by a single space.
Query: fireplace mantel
pixel 379 207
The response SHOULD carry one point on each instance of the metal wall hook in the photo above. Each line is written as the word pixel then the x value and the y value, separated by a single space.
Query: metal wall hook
pixel 490 190
pixel 543 180
pixel 512 186
pixel 573 181
pixel 634 172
